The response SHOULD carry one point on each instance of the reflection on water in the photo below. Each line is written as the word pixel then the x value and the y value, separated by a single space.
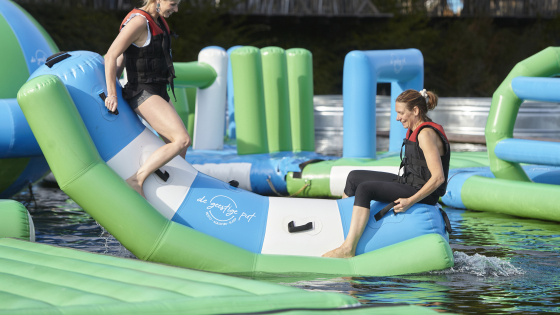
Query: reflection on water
pixel 503 264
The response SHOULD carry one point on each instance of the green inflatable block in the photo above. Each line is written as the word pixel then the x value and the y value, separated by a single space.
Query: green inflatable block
pixel 42 279
pixel 15 221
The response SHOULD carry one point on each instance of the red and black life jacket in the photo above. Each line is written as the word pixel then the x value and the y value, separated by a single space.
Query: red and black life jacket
pixel 151 64
pixel 416 172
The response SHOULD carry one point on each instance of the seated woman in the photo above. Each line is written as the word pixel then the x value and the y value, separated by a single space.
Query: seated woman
pixel 425 164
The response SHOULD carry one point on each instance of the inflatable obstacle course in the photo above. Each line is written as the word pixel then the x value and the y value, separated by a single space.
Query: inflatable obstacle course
pixel 191 219
pixel 25 46
pixel 272 120
pixel 530 191
pixel 15 221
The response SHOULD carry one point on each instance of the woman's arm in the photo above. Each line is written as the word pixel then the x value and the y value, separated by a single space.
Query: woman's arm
pixel 428 141
pixel 114 59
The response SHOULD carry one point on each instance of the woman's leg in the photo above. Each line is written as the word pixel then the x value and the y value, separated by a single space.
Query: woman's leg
pixel 386 191
pixel 163 117
pixel 355 178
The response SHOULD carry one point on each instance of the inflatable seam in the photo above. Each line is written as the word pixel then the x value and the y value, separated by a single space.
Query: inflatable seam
pixel 81 173
pixel 157 243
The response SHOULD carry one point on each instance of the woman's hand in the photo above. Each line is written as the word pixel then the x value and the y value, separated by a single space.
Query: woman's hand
pixel 111 103
pixel 402 204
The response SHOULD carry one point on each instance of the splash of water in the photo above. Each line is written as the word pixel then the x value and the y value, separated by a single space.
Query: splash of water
pixel 482 266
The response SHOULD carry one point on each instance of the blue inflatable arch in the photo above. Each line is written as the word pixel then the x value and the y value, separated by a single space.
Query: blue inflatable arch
pixel 404 69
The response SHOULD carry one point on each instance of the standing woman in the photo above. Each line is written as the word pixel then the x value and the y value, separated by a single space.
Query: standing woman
pixel 426 166
pixel 143 46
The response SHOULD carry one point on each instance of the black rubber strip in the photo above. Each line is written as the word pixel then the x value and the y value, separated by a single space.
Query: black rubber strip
pixel 56 58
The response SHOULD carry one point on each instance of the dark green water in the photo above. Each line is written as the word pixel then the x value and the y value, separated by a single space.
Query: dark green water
pixel 503 264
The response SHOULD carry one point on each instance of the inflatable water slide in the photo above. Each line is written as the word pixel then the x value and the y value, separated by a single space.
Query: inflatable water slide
pixel 530 190
pixel 191 219
pixel 270 116
pixel 403 69
pixel 25 47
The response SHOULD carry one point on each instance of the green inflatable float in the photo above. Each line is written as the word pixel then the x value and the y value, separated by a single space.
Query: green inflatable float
pixel 530 191
pixel 15 221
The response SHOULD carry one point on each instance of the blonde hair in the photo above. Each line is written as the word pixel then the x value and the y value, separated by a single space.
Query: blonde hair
pixel 413 98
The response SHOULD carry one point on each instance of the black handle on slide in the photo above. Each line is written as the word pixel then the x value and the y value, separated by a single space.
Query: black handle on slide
pixel 162 175
pixel 294 229
pixel 383 211
pixel 56 58
pixel 103 97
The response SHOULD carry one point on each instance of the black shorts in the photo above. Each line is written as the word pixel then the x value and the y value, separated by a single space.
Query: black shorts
pixel 145 92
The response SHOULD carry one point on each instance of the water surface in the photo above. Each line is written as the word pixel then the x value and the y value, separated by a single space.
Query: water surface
pixel 503 264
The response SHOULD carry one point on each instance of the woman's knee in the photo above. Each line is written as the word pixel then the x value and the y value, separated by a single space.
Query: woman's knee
pixel 182 141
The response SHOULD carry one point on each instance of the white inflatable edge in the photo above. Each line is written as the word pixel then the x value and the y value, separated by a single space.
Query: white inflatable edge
pixel 327 232
pixel 167 196
pixel 210 107
pixel 339 174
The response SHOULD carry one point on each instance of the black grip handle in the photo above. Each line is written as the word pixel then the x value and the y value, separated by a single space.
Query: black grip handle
pixel 103 97
pixel 162 175
pixel 56 58
pixel 294 229
pixel 383 211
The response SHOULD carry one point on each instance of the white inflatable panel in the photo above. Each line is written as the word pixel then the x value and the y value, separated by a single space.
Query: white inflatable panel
pixel 225 172
pixel 210 105
pixel 166 197
pixel 339 174
pixel 327 233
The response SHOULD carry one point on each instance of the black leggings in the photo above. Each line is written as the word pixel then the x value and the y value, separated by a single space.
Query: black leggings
pixel 379 186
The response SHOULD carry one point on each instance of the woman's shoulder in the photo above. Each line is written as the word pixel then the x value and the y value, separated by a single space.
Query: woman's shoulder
pixel 136 20
pixel 427 134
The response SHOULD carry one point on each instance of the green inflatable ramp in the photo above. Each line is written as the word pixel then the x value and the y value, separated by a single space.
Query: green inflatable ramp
pixel 43 279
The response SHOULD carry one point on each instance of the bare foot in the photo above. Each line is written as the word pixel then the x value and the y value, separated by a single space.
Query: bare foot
pixel 136 185
pixel 340 252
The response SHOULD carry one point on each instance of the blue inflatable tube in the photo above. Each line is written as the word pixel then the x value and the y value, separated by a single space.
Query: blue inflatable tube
pixel 253 222
pixel 404 69
pixel 528 151
pixel 537 89
pixel 458 176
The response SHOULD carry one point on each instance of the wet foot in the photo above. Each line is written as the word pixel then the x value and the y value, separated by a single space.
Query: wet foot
pixel 340 252
pixel 135 184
